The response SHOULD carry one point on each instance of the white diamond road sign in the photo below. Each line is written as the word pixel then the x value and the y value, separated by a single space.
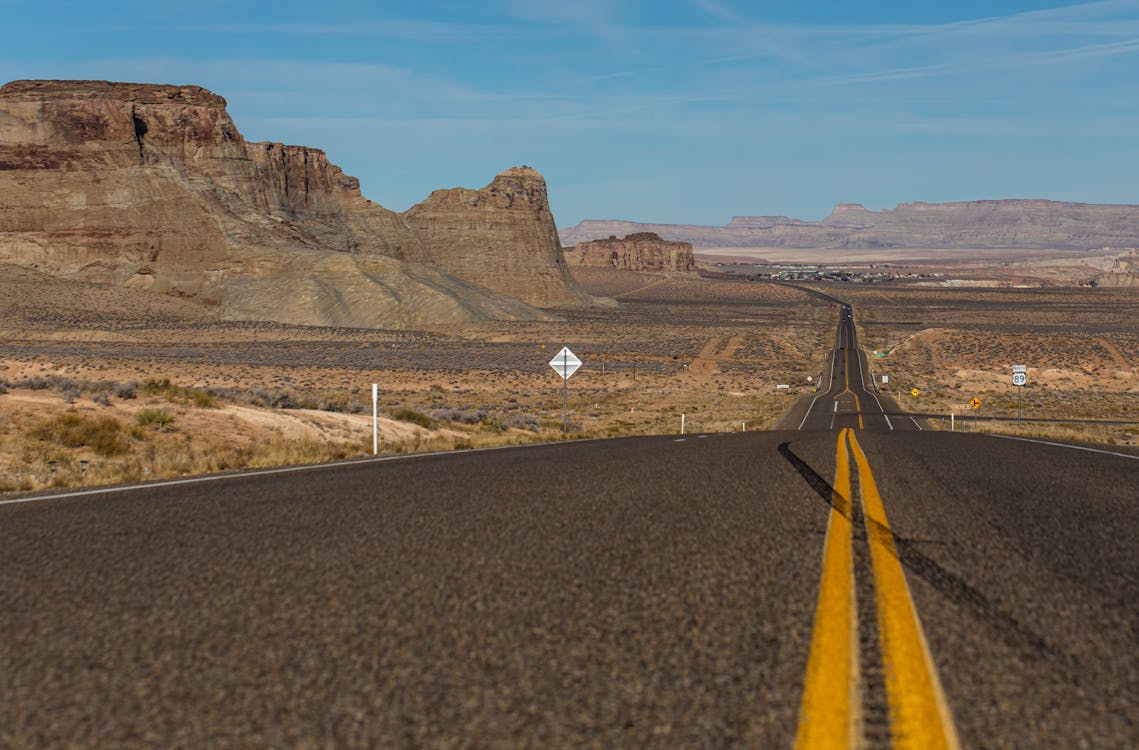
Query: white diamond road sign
pixel 565 363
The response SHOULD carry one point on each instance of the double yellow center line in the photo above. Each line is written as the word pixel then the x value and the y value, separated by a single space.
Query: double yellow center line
pixel 831 710
pixel 846 383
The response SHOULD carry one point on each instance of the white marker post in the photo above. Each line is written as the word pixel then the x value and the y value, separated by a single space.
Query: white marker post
pixel 565 363
pixel 375 419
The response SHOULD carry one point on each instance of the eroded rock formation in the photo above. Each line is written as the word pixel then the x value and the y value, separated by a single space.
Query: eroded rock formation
pixel 996 224
pixel 502 236
pixel 154 187
pixel 640 251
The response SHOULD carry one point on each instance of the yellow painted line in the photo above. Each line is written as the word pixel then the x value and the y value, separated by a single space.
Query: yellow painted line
pixel 831 706
pixel 919 713
pixel 858 408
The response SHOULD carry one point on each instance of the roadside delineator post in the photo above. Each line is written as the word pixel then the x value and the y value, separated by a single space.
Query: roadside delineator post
pixel 375 419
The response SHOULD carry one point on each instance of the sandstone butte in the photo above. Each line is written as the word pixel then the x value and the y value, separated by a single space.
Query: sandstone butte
pixel 153 187
pixel 987 224
pixel 640 251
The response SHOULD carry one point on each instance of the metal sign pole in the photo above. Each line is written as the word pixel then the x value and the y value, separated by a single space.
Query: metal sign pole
pixel 564 366
pixel 1018 404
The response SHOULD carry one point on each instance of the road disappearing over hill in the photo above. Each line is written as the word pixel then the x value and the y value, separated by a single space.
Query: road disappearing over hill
pixel 852 580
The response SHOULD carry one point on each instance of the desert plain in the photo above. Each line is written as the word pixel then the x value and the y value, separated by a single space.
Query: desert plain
pixel 102 384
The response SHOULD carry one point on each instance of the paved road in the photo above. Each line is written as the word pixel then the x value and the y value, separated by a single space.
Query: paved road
pixel 846 397
pixel 821 586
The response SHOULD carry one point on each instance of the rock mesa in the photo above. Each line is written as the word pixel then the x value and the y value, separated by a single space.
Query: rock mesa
pixel 153 186
pixel 641 251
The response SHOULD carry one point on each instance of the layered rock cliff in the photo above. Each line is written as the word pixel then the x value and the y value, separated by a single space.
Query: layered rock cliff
pixel 154 187
pixel 641 251
pixel 996 224
pixel 502 236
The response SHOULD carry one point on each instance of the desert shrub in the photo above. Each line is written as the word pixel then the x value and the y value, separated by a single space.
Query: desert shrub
pixel 3 387
pixel 104 435
pixel 341 401
pixel 284 400
pixel 272 400
pixel 34 383
pixel 415 417
pixel 258 397
pixel 155 386
pixel 521 422
pixel 462 416
pixel 491 422
pixel 102 398
pixel 201 399
pixel 69 390
pixel 157 418
pixel 126 390
pixel 227 394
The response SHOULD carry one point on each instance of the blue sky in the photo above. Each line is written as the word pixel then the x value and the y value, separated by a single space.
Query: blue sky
pixel 683 111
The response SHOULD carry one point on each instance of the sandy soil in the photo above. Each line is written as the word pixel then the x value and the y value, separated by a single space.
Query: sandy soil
pixel 245 393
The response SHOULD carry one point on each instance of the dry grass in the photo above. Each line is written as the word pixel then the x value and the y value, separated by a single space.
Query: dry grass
pixel 197 394
pixel 1081 348
pixel 254 394
pixel 1073 432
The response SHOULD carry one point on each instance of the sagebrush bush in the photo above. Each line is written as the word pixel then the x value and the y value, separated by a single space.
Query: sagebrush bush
pixel 155 386
pixel 415 417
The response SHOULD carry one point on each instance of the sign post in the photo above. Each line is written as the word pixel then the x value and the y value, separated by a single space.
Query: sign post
pixel 774 399
pixel 1019 379
pixel 565 363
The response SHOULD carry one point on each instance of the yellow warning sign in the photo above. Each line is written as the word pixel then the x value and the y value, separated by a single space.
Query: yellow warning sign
pixel 975 403
pixel 915 393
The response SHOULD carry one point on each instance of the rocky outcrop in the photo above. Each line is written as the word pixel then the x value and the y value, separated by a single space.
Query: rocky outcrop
pixel 154 187
pixel 502 237
pixel 641 251
pixel 996 224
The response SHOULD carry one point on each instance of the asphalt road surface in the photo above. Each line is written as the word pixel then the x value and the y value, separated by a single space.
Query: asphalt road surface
pixel 856 582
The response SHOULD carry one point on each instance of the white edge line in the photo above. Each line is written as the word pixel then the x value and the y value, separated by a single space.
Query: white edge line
pixel 821 392
pixel 112 489
pixel 1067 445
pixel 862 379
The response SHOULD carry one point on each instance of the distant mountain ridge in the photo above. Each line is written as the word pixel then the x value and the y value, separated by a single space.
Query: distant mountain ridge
pixel 986 224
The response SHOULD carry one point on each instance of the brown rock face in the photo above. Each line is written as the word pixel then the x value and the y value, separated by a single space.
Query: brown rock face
pixel 1013 224
pixel 502 237
pixel 154 187
pixel 641 251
